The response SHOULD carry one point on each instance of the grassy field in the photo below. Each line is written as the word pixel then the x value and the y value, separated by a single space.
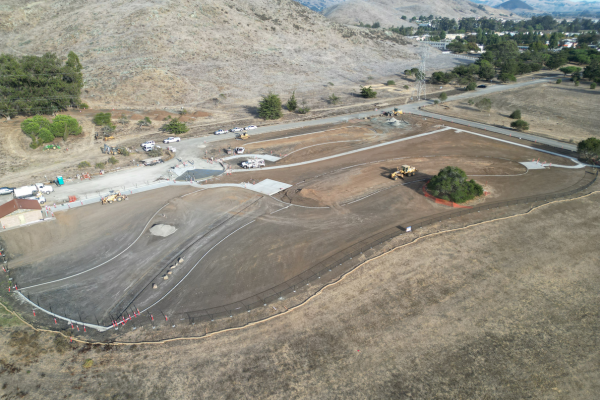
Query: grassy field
pixel 502 310
pixel 559 111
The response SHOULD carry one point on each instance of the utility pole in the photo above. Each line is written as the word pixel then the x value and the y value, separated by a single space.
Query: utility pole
pixel 421 84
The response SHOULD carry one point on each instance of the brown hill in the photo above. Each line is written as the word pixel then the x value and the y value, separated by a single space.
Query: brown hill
pixel 155 53
pixel 389 12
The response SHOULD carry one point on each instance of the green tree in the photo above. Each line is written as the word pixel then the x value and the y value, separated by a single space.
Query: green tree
pixel 570 70
pixel 593 85
pixel 520 125
pixel 443 96
pixel 175 127
pixel 451 183
pixel 486 70
pixel 101 119
pixel 588 150
pixel 505 77
pixel 403 17
pixel 367 92
pixel 471 86
pixel 558 81
pixel 376 25
pixel 516 114
pixel 64 125
pixel 45 135
pixel 31 126
pixel 270 107
pixel 592 71
pixel 113 160
pixel 292 104
pixel 390 83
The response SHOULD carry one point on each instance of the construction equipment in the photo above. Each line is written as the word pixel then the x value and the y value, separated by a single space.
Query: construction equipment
pixel 108 138
pixel 243 136
pixel 114 197
pixel 405 170
pixel 398 112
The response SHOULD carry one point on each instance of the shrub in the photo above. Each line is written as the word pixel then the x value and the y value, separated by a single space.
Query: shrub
pixel 390 83
pixel 405 86
pixel 100 165
pixel 576 83
pixel 113 160
pixel 45 135
pixel 175 127
pixel 451 184
pixel 436 102
pixel 155 153
pixel 147 122
pixel 331 84
pixel 123 120
pixel 367 92
pixel 516 114
pixel 588 150
pixel 88 363
pixel 270 107
pixel 471 86
pixel 443 96
pixel 376 25
pixel 63 125
pixel 484 104
pixel 593 85
pixel 506 77
pixel 31 126
pixel 84 106
pixel 292 103
pixel 183 111
pixel 558 81
pixel 470 102
pixel 102 119
pixel 333 99
pixel 303 110
pixel 520 125
pixel 125 152
pixel 84 164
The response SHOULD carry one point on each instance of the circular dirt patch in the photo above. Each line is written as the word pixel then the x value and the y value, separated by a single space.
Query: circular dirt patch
pixel 162 230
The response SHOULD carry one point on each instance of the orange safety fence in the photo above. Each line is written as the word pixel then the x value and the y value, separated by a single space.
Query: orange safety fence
pixel 72 199
pixel 441 201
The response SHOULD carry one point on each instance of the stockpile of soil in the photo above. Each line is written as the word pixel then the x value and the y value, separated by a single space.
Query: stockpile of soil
pixel 162 230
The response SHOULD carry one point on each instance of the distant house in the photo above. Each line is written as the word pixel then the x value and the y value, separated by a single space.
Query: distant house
pixel 19 212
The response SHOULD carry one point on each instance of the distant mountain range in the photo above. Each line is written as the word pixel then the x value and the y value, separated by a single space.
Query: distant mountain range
pixel 546 6
pixel 514 5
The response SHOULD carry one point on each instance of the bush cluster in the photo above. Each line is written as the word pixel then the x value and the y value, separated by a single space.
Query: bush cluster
pixel 451 184
pixel 41 130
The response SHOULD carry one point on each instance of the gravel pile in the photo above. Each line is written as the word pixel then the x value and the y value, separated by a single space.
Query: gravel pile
pixel 162 230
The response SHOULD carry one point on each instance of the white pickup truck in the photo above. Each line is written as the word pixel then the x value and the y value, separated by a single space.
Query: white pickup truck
pixel 44 188
pixel 253 163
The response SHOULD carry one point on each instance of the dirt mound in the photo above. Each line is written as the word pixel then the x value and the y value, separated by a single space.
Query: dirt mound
pixel 307 197
pixel 162 230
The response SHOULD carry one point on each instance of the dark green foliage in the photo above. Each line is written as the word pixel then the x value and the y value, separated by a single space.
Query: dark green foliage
pixel 376 25
pixel 405 86
pixel 101 119
pixel 175 127
pixel 145 122
pixel 100 165
pixel 390 83
pixel 270 107
pixel 486 70
pixel 125 152
pixel 520 125
pixel 588 150
pixel 570 70
pixel 558 81
pixel 40 130
pixel 84 164
pixel 592 71
pixel 516 114
pixel 471 86
pixel 506 77
pixel 154 153
pixel 292 103
pixel 113 160
pixel 367 92
pixel 443 96
pixel 593 85
pixel 303 110
pixel 452 184
pixel 32 85
pixel 442 77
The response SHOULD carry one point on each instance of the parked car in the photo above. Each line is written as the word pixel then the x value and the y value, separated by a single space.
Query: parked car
pixel 220 132
pixel 253 163
pixel 148 143
pixel 249 128
pixel 6 190
pixel 482 86
pixel 236 130
pixel 172 140
pixel 148 146
pixel 239 150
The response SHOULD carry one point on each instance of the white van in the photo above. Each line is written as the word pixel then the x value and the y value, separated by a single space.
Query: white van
pixel 148 146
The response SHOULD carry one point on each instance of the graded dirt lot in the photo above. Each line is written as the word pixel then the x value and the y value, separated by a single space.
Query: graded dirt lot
pixel 503 310
pixel 558 111
pixel 238 245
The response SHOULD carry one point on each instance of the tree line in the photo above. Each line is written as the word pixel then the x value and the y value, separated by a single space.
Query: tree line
pixel 31 85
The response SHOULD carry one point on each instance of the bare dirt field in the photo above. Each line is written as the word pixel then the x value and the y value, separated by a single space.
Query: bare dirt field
pixel 558 111
pixel 504 310
pixel 239 247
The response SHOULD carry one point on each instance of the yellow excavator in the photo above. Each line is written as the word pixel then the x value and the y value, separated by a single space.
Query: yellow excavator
pixel 405 170
pixel 114 197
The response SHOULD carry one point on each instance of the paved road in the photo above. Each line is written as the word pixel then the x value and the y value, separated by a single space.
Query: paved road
pixel 191 149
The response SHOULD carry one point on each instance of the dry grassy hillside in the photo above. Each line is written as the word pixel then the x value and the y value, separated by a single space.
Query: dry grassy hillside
pixel 160 52
pixel 389 12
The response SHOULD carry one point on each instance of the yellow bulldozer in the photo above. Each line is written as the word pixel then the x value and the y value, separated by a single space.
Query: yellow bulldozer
pixel 405 170
pixel 114 197
pixel 243 136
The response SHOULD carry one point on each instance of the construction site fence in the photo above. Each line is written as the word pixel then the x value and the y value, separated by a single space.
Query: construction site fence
pixel 322 273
